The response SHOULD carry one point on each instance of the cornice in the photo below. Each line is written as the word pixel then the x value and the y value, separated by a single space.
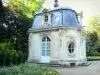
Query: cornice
pixel 56 28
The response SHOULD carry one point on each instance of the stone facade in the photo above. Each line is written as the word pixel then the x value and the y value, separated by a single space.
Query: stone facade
pixel 60 39
pixel 57 36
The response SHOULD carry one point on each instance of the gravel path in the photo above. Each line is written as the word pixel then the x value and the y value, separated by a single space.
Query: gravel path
pixel 93 69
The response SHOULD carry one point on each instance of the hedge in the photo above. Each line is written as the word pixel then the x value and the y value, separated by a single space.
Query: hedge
pixel 93 58
pixel 25 69
pixel 9 56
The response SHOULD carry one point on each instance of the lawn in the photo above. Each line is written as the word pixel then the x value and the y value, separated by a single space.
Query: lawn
pixel 25 69
pixel 93 58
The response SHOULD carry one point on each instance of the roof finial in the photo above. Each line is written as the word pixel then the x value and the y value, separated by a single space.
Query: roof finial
pixel 56 3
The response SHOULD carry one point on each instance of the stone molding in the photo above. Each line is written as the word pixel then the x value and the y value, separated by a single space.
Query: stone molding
pixel 45 33
pixel 60 36
pixel 55 28
pixel 71 39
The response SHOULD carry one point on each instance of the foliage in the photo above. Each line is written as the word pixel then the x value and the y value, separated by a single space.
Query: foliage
pixel 94 58
pixel 92 39
pixel 93 36
pixel 25 69
pixel 15 20
pixel 94 25
pixel 15 29
pixel 1 3
pixel 25 7
pixel 9 56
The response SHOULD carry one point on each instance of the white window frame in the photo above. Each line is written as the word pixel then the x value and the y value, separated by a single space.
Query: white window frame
pixel 46 18
pixel 46 46
pixel 73 53
pixel 72 48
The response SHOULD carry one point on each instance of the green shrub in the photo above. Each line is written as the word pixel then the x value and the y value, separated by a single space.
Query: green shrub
pixel 93 58
pixel 92 44
pixel 20 57
pixel 25 69
pixel 95 53
pixel 9 56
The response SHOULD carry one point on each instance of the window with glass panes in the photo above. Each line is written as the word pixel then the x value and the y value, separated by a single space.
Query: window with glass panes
pixel 46 46
pixel 45 17
pixel 71 47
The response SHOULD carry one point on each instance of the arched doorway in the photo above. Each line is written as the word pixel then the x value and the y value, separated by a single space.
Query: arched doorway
pixel 45 50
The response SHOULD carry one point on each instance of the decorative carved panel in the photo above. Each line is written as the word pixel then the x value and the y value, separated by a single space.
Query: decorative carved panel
pixel 45 33
pixel 60 36
pixel 71 39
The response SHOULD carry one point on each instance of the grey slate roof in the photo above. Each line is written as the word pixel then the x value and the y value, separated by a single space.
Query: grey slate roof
pixel 60 16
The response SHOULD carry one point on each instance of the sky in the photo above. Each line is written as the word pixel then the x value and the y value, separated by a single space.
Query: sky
pixel 89 7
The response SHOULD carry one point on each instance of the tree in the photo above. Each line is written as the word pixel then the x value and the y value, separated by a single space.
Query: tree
pixel 1 3
pixel 3 29
pixel 92 39
pixel 15 20
pixel 94 25
pixel 93 36
pixel 14 24
pixel 25 7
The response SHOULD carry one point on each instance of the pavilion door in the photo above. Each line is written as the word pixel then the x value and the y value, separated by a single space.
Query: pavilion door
pixel 45 52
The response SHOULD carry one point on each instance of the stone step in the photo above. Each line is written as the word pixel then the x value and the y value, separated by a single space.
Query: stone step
pixel 85 64
pixel 49 64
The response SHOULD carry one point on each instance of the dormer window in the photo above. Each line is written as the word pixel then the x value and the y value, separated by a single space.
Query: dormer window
pixel 45 17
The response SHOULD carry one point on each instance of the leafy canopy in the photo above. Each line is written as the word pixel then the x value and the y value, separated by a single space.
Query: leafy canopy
pixel 94 25
pixel 15 20
pixel 93 36
pixel 25 7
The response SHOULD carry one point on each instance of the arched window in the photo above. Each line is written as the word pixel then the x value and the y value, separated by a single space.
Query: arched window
pixel 46 18
pixel 71 47
pixel 46 46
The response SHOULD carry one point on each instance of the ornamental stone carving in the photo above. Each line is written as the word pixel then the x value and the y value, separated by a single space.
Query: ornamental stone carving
pixel 45 33
pixel 71 39
pixel 60 37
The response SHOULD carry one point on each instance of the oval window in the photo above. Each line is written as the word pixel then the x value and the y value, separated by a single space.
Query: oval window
pixel 71 47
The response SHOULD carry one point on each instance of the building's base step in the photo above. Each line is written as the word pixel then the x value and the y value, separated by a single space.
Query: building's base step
pixel 60 65
pixel 49 64
pixel 85 64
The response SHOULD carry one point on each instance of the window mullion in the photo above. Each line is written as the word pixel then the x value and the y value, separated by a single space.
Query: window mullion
pixel 46 48
pixel 71 47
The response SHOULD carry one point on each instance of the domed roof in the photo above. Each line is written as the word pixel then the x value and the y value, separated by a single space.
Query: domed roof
pixel 59 16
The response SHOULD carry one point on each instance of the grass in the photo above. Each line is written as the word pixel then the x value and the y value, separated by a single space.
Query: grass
pixel 93 58
pixel 25 69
